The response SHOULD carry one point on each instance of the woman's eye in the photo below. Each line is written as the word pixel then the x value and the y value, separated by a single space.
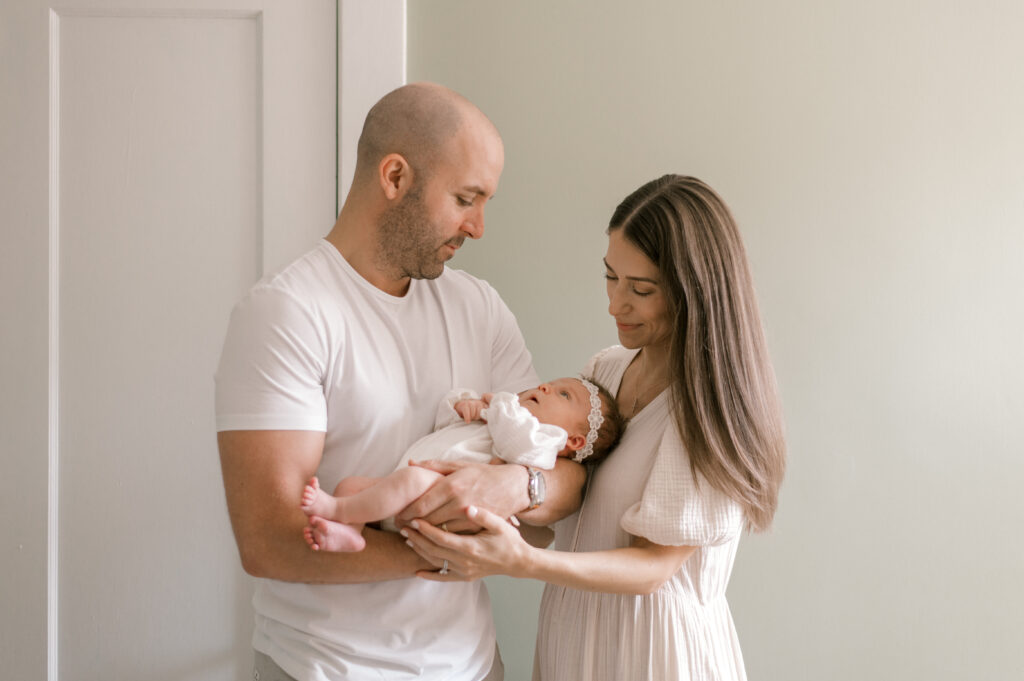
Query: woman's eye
pixel 610 277
pixel 565 394
pixel 642 293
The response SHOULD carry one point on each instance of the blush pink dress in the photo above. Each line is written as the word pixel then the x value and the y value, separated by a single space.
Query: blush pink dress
pixel 645 489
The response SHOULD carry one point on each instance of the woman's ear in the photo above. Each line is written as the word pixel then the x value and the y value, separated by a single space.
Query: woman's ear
pixel 395 176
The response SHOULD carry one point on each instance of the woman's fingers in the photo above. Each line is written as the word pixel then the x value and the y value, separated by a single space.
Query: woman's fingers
pixel 486 519
pixel 469 557
pixel 434 545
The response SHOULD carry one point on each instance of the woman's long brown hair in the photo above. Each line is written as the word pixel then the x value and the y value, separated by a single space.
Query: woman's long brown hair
pixel 724 393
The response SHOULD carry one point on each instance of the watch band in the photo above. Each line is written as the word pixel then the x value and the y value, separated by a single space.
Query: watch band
pixel 535 487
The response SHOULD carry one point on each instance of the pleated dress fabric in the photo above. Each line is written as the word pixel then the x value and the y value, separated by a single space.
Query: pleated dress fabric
pixel 645 488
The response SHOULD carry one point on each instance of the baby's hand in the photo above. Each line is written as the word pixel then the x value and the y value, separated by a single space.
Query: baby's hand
pixel 470 410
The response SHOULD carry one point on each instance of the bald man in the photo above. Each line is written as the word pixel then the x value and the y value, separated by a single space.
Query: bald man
pixel 334 366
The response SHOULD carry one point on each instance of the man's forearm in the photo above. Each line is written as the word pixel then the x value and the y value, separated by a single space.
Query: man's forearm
pixel 386 557
pixel 264 475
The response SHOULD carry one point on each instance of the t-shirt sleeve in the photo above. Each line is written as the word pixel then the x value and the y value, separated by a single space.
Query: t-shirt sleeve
pixel 271 370
pixel 511 363
pixel 677 511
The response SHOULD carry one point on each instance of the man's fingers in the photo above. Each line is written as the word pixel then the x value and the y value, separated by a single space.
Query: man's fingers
pixel 438 503
pixel 450 511
pixel 461 526
pixel 442 467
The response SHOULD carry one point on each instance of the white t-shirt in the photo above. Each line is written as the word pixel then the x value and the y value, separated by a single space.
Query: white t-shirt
pixel 317 347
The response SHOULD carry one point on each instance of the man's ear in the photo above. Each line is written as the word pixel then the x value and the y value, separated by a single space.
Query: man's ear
pixel 395 176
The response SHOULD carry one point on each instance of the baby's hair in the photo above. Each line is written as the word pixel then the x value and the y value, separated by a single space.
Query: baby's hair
pixel 610 431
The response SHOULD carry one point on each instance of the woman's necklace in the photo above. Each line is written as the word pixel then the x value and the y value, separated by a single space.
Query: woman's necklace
pixel 641 394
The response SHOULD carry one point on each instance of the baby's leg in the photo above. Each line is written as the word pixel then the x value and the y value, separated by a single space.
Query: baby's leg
pixel 315 501
pixel 385 497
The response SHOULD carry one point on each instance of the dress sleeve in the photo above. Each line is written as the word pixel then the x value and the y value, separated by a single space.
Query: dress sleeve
pixel 678 510
pixel 519 437
pixel 606 367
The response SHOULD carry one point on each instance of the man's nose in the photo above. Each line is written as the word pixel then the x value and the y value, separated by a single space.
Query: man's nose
pixel 473 225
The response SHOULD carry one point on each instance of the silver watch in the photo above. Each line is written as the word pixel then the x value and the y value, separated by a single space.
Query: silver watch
pixel 535 487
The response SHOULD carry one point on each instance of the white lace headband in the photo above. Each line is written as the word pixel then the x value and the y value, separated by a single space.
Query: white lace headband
pixel 595 419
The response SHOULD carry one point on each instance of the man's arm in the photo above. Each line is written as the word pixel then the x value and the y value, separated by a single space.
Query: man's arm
pixel 500 489
pixel 264 473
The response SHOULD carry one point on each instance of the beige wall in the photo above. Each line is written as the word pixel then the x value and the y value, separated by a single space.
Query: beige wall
pixel 873 153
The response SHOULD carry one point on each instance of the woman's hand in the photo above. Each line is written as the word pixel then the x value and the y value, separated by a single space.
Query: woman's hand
pixel 497 549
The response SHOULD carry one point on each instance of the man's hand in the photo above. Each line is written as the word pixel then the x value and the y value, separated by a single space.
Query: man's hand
pixel 499 489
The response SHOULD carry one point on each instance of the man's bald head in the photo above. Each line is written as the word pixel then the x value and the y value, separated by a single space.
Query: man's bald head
pixel 415 121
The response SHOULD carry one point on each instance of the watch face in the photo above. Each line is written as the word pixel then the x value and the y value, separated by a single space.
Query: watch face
pixel 536 488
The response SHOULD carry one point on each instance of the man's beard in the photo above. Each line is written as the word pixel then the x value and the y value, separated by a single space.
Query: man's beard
pixel 407 242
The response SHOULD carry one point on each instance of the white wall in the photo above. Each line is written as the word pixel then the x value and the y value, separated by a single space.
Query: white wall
pixel 873 153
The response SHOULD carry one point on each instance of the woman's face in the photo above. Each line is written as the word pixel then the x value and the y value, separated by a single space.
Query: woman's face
pixel 636 295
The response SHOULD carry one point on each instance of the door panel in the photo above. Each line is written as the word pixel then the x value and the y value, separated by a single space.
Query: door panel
pixel 159 234
pixel 156 160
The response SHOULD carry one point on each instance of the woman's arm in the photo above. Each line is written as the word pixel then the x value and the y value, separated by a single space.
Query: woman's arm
pixel 639 569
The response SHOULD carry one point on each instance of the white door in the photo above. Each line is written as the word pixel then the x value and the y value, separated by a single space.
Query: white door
pixel 155 160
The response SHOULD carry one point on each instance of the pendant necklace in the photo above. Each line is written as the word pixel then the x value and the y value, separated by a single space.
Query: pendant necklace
pixel 640 394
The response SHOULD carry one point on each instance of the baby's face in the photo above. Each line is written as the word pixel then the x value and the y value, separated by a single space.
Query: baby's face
pixel 563 402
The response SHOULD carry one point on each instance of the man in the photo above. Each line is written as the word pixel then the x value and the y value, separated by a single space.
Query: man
pixel 335 365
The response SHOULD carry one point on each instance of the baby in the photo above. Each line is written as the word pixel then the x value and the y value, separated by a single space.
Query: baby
pixel 566 417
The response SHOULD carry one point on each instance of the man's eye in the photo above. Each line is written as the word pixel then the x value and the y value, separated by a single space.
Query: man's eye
pixel 610 277
pixel 464 202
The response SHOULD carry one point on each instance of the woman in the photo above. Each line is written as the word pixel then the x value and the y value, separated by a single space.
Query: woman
pixel 636 587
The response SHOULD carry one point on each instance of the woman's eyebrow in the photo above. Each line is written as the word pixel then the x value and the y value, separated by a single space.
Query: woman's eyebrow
pixel 649 281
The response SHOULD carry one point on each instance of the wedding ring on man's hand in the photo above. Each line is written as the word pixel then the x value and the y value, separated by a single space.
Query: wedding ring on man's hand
pixel 444 568
pixel 444 526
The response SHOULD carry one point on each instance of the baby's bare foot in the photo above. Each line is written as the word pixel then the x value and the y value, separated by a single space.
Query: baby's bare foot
pixel 327 535
pixel 315 501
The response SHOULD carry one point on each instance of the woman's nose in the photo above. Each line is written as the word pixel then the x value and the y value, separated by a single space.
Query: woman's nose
pixel 616 302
